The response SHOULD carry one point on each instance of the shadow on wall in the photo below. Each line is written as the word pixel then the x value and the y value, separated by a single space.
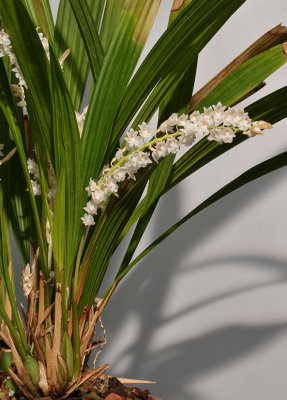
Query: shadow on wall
pixel 181 363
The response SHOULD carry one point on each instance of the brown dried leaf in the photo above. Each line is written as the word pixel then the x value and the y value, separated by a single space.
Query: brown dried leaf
pixel 275 36
pixel 177 4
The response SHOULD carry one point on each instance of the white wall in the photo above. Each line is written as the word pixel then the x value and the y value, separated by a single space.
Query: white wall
pixel 215 327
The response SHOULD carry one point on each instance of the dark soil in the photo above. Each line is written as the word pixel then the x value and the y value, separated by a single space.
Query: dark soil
pixel 110 388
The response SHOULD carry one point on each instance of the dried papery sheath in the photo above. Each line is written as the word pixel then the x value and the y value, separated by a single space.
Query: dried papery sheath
pixel 146 146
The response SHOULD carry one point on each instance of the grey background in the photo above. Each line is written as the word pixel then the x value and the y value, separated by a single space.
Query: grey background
pixel 205 313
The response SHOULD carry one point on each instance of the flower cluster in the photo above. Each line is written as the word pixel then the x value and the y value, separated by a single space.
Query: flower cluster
pixel 6 50
pixel 142 147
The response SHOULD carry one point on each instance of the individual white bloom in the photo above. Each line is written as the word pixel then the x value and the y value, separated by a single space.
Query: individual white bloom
pixel 172 145
pixel 186 140
pixel 145 131
pixel 1 148
pixel 36 187
pixel 144 159
pixel 92 186
pixel 133 160
pixel 110 186
pixel 119 174
pixel 182 120
pixel 173 120
pixel 119 154
pixel 88 220
pixel 133 140
pixel 230 117
pixel 228 135
pixel 195 117
pixel 160 150
pixel 244 123
pixel 91 208
pixel 202 127
pixel 165 127
pixel 218 113
pixel 132 171
pixel 33 168
pixel 189 128
pixel 98 196
pixel 4 38
pixel 207 115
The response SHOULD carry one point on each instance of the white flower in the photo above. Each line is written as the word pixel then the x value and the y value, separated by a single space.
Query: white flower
pixel 195 116
pixel 36 187
pixel 133 160
pixel 182 120
pixel 98 196
pixel 27 279
pixel 160 151
pixel 230 117
pixel 173 120
pixel 145 131
pixel 88 220
pixel 21 103
pixel 166 127
pixel 186 140
pixel 119 155
pixel 133 139
pixel 33 168
pixel 110 186
pixel 131 172
pixel 45 43
pixel 17 91
pixel 119 174
pixel 1 148
pixel 244 123
pixel 208 115
pixel 218 113
pixel 172 145
pixel 143 159
pixel 91 208
pixel 202 128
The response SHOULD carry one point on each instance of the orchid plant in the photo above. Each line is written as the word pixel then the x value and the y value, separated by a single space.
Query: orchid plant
pixel 73 175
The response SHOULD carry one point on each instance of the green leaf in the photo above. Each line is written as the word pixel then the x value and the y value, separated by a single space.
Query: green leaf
pixel 256 172
pixel 117 69
pixel 177 48
pixel 89 35
pixel 41 15
pixel 68 36
pixel 246 77
pixel 110 22
pixel 68 167
pixel 7 106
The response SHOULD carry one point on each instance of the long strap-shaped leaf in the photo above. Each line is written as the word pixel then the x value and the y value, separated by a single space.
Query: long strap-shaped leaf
pixel 15 196
pixel 68 167
pixel 40 13
pixel 68 36
pixel 256 172
pixel 187 35
pixel 120 61
pixel 7 106
pixel 33 62
pixel 110 22
pixel 90 35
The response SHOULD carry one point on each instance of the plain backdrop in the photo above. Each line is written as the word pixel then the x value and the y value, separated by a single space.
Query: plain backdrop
pixel 205 313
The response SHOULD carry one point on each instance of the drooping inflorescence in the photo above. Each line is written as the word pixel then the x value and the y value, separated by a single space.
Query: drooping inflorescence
pixel 145 146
